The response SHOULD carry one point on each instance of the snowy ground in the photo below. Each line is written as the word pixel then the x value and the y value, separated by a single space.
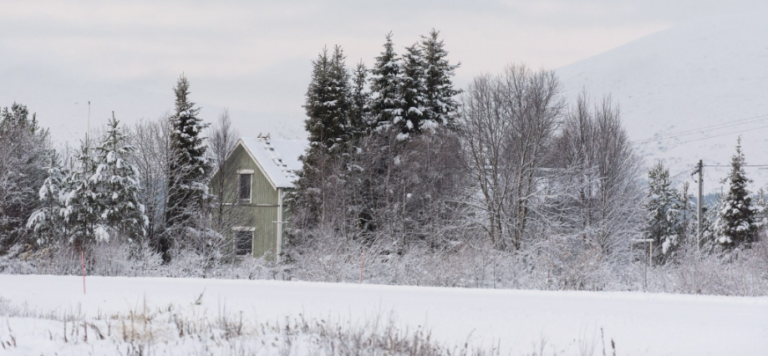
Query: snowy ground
pixel 640 324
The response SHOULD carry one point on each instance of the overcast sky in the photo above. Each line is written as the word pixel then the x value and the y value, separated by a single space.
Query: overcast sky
pixel 256 55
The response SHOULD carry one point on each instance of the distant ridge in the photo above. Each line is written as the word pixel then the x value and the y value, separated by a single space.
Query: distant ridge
pixel 688 92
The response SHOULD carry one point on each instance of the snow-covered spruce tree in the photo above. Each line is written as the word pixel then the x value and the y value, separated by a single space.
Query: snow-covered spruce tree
pixel 736 220
pixel 188 171
pixel 662 216
pixel 442 108
pixel 118 184
pixel 82 209
pixel 386 108
pixel 48 221
pixel 327 107
pixel 24 154
pixel 327 101
pixel 413 94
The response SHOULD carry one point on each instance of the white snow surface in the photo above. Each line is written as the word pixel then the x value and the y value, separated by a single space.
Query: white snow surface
pixel 278 158
pixel 687 92
pixel 640 324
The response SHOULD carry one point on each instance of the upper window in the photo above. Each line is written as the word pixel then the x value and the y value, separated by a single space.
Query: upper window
pixel 245 187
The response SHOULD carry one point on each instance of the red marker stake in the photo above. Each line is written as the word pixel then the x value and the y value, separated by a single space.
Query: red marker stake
pixel 362 262
pixel 82 259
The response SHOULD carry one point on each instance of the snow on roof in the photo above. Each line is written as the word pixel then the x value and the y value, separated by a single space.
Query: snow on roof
pixel 278 158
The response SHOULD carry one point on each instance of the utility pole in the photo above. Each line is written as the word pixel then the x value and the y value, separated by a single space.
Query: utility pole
pixel 699 205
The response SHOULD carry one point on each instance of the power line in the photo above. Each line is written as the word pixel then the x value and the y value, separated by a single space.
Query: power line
pixel 725 134
pixel 705 129
pixel 729 166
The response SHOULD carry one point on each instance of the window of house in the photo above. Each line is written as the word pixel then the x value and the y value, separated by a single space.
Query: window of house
pixel 245 187
pixel 243 243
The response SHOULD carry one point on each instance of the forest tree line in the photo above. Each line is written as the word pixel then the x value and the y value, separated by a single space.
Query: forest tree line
pixel 399 160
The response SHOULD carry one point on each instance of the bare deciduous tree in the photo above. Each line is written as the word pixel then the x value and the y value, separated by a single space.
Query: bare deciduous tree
pixel 152 142
pixel 601 192
pixel 509 122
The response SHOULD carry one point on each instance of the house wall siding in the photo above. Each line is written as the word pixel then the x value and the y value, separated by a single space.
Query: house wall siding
pixel 261 212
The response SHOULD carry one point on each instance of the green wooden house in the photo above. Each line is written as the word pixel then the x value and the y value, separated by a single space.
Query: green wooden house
pixel 262 170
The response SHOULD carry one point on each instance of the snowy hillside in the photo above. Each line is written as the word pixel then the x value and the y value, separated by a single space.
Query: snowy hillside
pixel 686 93
pixel 516 321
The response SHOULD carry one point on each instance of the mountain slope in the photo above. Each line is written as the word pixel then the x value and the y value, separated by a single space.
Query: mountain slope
pixel 688 92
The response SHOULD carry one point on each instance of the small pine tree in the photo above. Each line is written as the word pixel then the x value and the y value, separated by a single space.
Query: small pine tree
pixel 47 221
pixel 386 107
pixel 81 200
pixel 686 211
pixel 118 184
pixel 736 222
pixel 413 93
pixel 442 108
pixel 661 225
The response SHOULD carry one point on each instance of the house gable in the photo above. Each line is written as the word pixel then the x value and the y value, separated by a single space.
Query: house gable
pixel 263 190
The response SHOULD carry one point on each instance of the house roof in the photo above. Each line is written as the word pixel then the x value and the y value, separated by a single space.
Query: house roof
pixel 277 158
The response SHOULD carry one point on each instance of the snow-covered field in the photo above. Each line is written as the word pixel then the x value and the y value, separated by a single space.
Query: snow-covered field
pixel 516 321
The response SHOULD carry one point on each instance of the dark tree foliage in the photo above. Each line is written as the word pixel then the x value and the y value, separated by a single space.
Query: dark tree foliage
pixel 327 101
pixel 359 120
pixel 386 107
pixel 413 93
pixel 329 125
pixel 737 218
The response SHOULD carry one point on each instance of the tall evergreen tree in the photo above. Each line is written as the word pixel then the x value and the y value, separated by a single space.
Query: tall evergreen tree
pixel 662 216
pixel 386 106
pixel 118 184
pixel 736 222
pixel 189 166
pixel 329 124
pixel 413 93
pixel 441 105
pixel 327 101
pixel 359 121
